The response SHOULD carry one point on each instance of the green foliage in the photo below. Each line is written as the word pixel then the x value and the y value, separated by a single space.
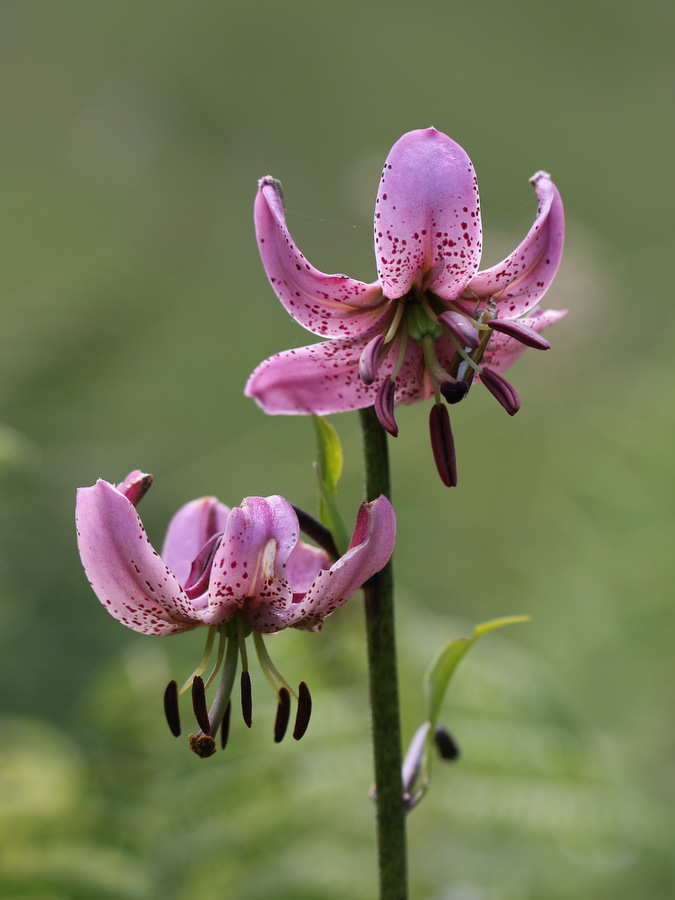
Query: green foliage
pixel 328 470
pixel 436 683
pixel 448 658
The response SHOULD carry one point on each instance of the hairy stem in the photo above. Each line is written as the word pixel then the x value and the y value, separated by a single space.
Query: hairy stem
pixel 386 726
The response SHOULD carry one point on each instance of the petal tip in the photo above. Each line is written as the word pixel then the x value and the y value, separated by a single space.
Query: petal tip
pixel 538 176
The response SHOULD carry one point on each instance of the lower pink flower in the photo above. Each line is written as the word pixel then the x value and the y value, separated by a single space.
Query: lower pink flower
pixel 235 571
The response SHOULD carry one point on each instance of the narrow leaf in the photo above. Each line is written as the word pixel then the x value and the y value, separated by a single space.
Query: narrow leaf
pixel 328 470
pixel 330 453
pixel 436 683
pixel 443 667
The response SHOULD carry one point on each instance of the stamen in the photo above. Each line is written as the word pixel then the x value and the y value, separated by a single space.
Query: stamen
pixel 225 727
pixel 520 332
pixel 304 711
pixel 401 355
pixel 202 744
pixel 219 657
pixel 270 671
pixel 171 708
pixel 469 360
pixel 241 641
pixel 199 704
pixel 384 406
pixel 283 715
pixel 246 699
pixel 500 388
pixel 446 744
pixel 443 445
pixel 368 361
pixel 395 322
pixel 204 660
pixel 464 366
pixel 426 306
pixel 461 328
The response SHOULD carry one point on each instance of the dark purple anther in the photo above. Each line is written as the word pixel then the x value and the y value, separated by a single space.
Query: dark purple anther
pixel 384 406
pixel 246 698
pixel 500 388
pixel 368 361
pixel 461 328
pixel 520 332
pixel 283 715
pixel 304 711
pixel 171 708
pixel 199 704
pixel 443 445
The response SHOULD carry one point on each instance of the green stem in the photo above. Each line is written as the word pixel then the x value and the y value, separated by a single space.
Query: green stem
pixel 386 726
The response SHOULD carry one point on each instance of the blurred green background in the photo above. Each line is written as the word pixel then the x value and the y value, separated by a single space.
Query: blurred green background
pixel 134 307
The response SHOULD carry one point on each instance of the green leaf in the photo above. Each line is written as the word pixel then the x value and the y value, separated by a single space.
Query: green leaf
pixel 436 683
pixel 328 469
pixel 329 463
pixel 442 668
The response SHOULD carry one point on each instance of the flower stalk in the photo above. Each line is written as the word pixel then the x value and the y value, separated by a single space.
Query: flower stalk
pixel 383 679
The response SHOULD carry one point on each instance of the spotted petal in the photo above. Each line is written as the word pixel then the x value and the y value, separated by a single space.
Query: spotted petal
pixel 519 282
pixel 329 305
pixel 324 378
pixel 124 569
pixel 304 564
pixel 369 551
pixel 248 568
pixel 320 378
pixel 427 217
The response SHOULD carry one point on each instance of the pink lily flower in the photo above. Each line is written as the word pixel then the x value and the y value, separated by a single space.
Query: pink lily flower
pixel 233 570
pixel 431 323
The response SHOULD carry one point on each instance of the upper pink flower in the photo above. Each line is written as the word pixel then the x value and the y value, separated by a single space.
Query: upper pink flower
pixel 218 563
pixel 431 322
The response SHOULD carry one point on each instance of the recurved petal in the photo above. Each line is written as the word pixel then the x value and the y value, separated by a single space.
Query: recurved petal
pixel 248 567
pixel 369 551
pixel 189 530
pixel 519 282
pixel 503 350
pixel 126 572
pixel 329 305
pixel 320 379
pixel 427 216
pixel 324 378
